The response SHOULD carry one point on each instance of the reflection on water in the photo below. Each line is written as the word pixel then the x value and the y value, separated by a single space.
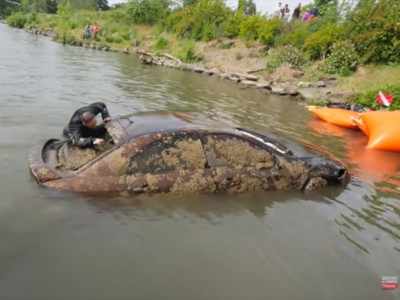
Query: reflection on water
pixel 333 245
pixel 368 164
pixel 379 209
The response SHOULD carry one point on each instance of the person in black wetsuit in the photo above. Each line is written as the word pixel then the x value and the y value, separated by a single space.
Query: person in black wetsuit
pixel 82 129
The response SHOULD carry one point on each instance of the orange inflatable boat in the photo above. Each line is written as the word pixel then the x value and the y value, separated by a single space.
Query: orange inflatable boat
pixel 382 128
pixel 336 116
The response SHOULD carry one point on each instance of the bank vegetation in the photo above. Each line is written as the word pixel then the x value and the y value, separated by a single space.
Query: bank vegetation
pixel 341 37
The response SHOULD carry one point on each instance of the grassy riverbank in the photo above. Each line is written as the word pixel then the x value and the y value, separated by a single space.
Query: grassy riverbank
pixel 357 45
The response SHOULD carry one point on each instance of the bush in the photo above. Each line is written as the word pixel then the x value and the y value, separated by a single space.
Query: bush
pixel 66 38
pixel 202 21
pixel 318 43
pixel 260 29
pixel 18 20
pixel 187 52
pixel 269 30
pixel 232 25
pixel 114 38
pixel 117 15
pixel 374 28
pixel 285 54
pixel 249 27
pixel 161 43
pixel 116 32
pixel 64 9
pixel 6 9
pixel 368 98
pixel 147 11
pixel 295 34
pixel 343 59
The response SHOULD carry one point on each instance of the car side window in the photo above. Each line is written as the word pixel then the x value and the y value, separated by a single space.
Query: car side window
pixel 170 152
pixel 225 150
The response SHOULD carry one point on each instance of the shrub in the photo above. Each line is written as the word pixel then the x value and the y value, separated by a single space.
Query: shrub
pixel 375 30
pixel 161 43
pixel 64 9
pixel 202 21
pixel 343 59
pixel 187 52
pixel 269 30
pixel 261 29
pixel 114 38
pixel 147 11
pixel 295 35
pixel 18 20
pixel 66 38
pixel 6 9
pixel 249 27
pixel 285 54
pixel 232 25
pixel 116 32
pixel 318 43
pixel 368 98
pixel 118 15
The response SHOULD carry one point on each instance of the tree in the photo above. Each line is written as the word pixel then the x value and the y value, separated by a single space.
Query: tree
pixel 83 4
pixel 247 7
pixel 64 9
pixel 102 5
pixel 147 11
pixel 6 6
pixel 189 2
pixel 325 7
pixel 33 5
pixel 51 6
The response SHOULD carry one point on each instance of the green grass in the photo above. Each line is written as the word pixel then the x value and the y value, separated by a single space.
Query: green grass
pixel 370 77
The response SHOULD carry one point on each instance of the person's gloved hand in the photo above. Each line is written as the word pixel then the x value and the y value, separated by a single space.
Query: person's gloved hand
pixel 108 119
pixel 98 142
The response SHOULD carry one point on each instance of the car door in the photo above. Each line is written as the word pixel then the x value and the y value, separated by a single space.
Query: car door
pixel 238 164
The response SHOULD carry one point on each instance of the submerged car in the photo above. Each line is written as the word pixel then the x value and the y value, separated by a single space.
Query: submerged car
pixel 171 152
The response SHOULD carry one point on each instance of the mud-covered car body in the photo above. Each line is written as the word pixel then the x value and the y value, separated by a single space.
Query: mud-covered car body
pixel 171 153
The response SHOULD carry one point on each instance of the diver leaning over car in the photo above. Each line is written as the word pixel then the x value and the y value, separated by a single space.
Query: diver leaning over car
pixel 82 130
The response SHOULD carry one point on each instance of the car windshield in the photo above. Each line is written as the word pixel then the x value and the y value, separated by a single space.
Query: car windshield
pixel 117 129
pixel 71 158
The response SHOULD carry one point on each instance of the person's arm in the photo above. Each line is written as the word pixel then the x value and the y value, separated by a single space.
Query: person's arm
pixel 100 108
pixel 78 140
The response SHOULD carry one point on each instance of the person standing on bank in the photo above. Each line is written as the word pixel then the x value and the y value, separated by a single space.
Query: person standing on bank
pixel 296 12
pixel 82 130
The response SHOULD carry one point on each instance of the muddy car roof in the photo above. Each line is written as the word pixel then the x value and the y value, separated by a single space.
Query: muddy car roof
pixel 124 128
pixel 127 127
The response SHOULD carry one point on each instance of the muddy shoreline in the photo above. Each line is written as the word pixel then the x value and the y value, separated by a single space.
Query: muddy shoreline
pixel 307 92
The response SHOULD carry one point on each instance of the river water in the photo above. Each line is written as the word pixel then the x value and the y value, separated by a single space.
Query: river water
pixel 335 245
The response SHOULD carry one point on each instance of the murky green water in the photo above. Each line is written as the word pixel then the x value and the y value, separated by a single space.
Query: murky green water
pixel 53 245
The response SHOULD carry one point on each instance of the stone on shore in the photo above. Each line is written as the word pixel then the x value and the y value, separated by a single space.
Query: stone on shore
pixel 224 75
pixel 292 92
pixel 304 84
pixel 278 90
pixel 243 76
pixel 198 70
pixel 251 77
pixel 211 72
pixel 233 78
pixel 263 85
pixel 248 83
